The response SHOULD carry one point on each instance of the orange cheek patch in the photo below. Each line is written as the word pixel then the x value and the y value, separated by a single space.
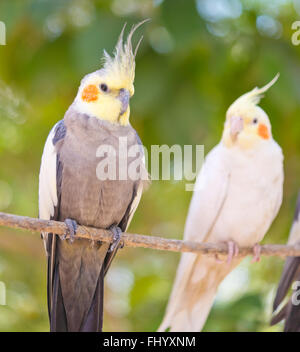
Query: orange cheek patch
pixel 263 131
pixel 90 93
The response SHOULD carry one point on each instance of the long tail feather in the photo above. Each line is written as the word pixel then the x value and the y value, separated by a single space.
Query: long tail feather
pixel 193 293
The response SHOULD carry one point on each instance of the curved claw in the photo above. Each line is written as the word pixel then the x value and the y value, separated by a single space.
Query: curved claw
pixel 117 236
pixel 63 237
pixel 256 253
pixel 71 229
pixel 233 251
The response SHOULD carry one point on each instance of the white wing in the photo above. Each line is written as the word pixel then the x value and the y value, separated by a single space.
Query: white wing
pixel 135 204
pixel 144 181
pixel 47 179
pixel 209 196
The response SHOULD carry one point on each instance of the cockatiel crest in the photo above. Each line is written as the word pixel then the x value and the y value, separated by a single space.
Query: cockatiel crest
pixel 246 123
pixel 106 93
pixel 121 66
pixel 249 100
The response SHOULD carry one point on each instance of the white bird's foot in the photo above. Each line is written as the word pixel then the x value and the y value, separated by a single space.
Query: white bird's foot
pixel 117 236
pixel 71 229
pixel 256 253
pixel 233 251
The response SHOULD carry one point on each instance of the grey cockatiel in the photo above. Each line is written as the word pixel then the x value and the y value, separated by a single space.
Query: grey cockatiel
pixel 291 272
pixel 72 189
pixel 237 195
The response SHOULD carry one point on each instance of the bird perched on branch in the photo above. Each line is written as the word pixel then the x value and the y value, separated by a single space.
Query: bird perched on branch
pixel 77 185
pixel 290 312
pixel 237 195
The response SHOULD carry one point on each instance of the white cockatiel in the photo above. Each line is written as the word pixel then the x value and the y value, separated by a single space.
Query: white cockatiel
pixel 237 195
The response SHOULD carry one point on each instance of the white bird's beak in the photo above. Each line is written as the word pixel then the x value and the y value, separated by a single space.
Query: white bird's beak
pixel 236 126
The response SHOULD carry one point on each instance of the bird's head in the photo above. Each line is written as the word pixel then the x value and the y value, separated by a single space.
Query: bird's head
pixel 106 93
pixel 246 123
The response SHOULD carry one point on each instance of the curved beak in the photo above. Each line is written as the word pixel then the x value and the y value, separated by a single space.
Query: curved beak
pixel 236 126
pixel 124 97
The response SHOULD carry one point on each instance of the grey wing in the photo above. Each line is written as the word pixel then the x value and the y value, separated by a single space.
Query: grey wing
pixel 292 319
pixel 290 273
pixel 138 189
pixel 135 200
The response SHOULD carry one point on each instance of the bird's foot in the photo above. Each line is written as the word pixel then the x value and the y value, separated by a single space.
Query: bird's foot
pixel 71 229
pixel 117 237
pixel 256 253
pixel 233 251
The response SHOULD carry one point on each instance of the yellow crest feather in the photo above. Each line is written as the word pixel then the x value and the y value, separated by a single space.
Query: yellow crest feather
pixel 251 99
pixel 122 64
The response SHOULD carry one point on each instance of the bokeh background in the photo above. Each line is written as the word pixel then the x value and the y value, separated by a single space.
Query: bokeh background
pixel 196 58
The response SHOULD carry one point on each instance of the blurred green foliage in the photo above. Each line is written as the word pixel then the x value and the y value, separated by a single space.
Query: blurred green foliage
pixel 196 58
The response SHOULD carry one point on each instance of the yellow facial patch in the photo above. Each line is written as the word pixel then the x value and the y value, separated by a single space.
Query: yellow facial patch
pixel 90 93
pixel 263 131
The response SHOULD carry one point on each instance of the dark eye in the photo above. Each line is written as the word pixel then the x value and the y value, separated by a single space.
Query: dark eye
pixel 255 120
pixel 103 87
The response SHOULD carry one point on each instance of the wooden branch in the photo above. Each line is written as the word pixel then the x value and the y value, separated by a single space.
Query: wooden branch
pixel 135 240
